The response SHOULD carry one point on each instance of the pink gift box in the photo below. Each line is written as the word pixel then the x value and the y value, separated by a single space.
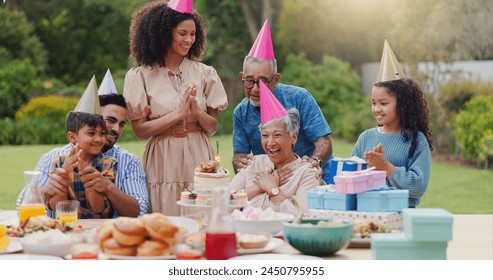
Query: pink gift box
pixel 359 181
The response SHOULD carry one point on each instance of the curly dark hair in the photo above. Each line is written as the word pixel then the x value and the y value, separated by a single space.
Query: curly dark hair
pixel 150 33
pixel 412 110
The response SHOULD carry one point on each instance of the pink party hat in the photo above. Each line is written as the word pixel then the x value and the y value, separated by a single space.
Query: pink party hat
pixel 262 47
pixel 182 6
pixel 270 107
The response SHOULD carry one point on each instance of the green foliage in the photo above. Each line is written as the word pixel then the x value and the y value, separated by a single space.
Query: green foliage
pixel 225 121
pixel 473 128
pixel 6 131
pixel 335 87
pixel 82 37
pixel 52 107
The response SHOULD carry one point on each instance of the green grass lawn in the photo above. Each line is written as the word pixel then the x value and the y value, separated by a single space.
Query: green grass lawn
pixel 459 189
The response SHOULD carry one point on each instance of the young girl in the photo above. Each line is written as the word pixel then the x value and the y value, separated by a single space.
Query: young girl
pixel 401 144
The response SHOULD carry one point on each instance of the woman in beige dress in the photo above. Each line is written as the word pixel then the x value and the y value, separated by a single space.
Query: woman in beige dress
pixel 172 100
pixel 260 179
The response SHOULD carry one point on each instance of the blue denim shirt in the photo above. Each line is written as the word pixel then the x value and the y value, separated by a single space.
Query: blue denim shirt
pixel 246 119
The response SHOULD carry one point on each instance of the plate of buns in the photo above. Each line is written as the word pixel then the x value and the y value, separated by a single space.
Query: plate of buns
pixel 151 236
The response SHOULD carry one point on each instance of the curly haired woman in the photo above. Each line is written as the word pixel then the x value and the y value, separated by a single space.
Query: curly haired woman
pixel 404 131
pixel 172 99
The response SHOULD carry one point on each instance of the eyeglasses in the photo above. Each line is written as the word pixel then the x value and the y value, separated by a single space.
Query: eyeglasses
pixel 249 83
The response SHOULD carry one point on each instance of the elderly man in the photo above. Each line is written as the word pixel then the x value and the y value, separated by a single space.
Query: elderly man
pixel 128 196
pixel 313 143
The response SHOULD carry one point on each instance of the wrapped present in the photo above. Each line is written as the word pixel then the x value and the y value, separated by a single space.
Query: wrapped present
pixel 383 200
pixel 390 219
pixel 392 246
pixel 360 181
pixel 326 197
pixel 427 224
pixel 315 197
pixel 339 201
pixel 337 165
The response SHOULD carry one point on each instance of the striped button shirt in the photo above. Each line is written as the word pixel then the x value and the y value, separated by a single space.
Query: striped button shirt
pixel 130 174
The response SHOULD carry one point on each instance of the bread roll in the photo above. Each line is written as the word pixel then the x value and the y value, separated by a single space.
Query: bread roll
pixel 152 248
pixel 110 246
pixel 105 231
pixel 128 231
pixel 158 227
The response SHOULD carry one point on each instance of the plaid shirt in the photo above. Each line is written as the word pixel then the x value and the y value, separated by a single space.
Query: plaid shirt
pixel 108 168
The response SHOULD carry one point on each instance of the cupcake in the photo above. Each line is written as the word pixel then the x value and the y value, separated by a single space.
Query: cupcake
pixel 192 198
pixel 184 196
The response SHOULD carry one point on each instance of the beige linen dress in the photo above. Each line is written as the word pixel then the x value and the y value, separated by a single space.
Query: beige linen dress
pixel 169 161
pixel 304 178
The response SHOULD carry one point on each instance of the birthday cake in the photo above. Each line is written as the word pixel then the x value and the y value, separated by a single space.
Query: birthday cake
pixel 209 175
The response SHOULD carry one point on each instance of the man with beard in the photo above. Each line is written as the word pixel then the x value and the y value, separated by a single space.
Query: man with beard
pixel 128 196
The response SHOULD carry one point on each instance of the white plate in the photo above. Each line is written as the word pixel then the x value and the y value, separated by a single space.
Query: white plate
pixel 117 257
pixel 28 257
pixel 275 257
pixel 14 246
pixel 179 202
pixel 274 243
pixel 190 225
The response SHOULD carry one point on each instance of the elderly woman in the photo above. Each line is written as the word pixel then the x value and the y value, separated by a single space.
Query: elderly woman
pixel 260 180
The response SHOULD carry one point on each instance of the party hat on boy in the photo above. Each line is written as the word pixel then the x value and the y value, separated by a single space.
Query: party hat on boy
pixel 262 47
pixel 107 86
pixel 182 6
pixel 390 69
pixel 89 102
pixel 270 107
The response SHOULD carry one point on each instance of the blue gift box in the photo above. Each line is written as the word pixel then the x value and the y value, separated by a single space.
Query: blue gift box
pixel 337 165
pixel 396 246
pixel 386 200
pixel 315 198
pixel 339 201
pixel 427 224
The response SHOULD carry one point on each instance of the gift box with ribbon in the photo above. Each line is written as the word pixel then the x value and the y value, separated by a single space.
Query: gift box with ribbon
pixel 326 197
pixel 315 197
pixel 383 200
pixel 337 165
pixel 360 181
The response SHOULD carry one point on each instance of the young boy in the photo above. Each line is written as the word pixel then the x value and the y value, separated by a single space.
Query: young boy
pixel 86 132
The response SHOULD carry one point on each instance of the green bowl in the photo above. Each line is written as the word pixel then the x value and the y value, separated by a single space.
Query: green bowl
pixel 319 240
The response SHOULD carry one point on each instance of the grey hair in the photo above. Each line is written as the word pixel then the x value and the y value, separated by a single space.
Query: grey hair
pixel 291 120
pixel 250 59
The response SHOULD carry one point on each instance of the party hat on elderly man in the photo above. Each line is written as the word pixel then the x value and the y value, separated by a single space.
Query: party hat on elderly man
pixel 262 47
pixel 182 6
pixel 107 86
pixel 89 102
pixel 270 107
pixel 390 69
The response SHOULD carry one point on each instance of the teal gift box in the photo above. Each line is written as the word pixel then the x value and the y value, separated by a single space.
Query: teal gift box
pixel 427 224
pixel 337 165
pixel 339 201
pixel 386 200
pixel 315 198
pixel 396 246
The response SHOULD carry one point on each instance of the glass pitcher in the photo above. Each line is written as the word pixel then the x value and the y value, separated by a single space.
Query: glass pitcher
pixel 32 203
pixel 220 238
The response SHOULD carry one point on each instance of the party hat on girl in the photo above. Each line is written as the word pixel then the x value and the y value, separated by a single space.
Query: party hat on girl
pixel 181 6
pixel 107 86
pixel 390 69
pixel 262 47
pixel 89 102
pixel 270 107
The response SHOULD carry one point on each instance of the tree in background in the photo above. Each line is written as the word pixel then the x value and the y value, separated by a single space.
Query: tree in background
pixel 22 60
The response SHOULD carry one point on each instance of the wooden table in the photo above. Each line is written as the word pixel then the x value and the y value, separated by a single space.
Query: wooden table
pixel 472 238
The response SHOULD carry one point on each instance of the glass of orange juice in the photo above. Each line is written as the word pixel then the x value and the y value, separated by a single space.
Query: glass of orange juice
pixel 30 210
pixel 67 211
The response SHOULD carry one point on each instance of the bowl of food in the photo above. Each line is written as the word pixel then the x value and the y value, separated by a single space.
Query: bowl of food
pixel 252 220
pixel 318 237
pixel 253 240
pixel 51 242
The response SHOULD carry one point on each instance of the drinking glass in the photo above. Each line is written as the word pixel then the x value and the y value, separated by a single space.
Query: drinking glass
pixel 67 211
